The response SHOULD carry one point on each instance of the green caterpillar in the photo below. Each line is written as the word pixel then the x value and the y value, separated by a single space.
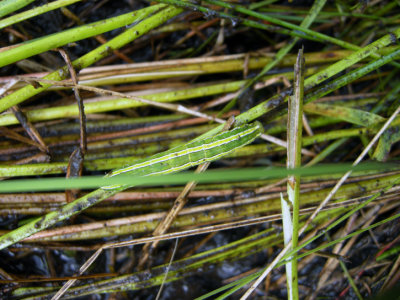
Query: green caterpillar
pixel 192 154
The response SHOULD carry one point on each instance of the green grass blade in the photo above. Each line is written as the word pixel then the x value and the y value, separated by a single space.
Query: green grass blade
pixel 35 12
pixel 85 182
pixel 348 114
pixel 9 6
